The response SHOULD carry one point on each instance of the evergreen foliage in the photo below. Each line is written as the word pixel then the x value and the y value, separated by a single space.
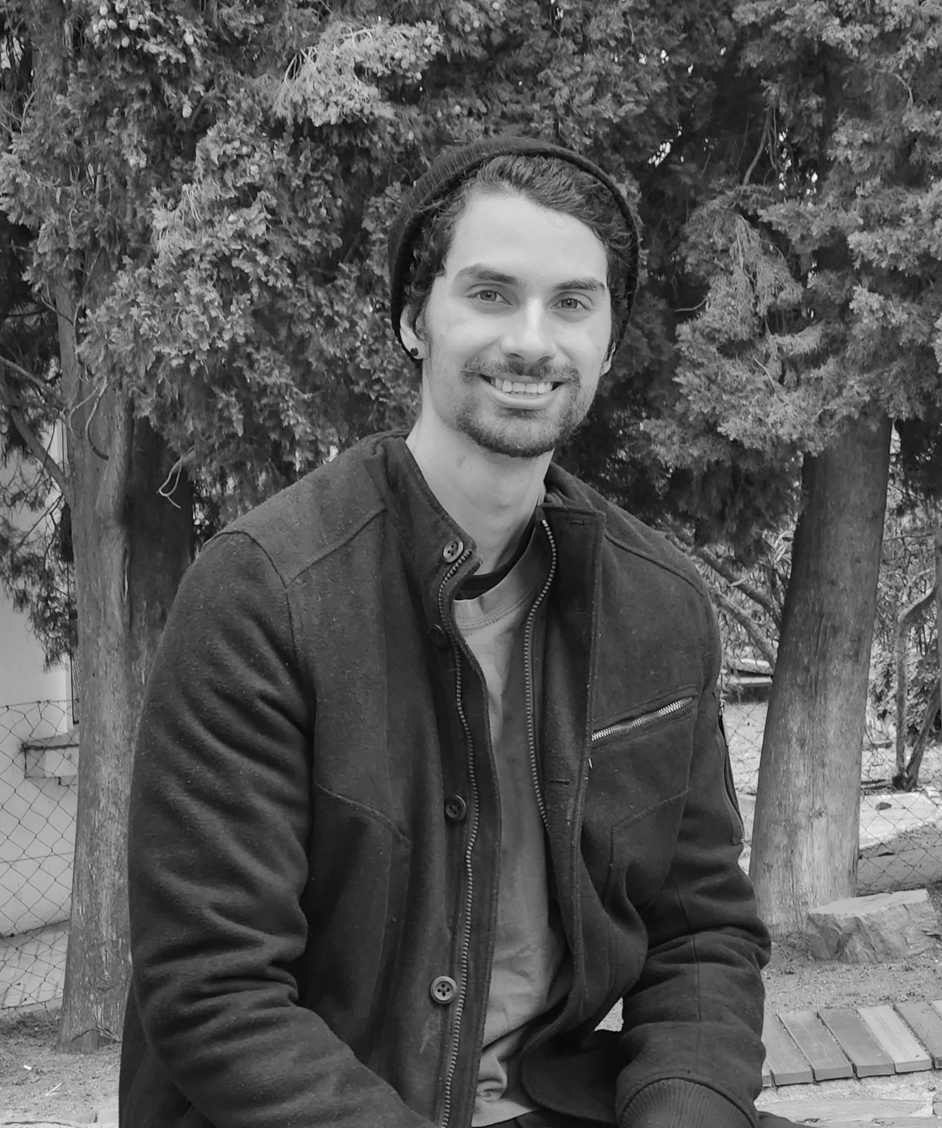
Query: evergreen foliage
pixel 35 546
pixel 824 288
pixel 220 181
pixel 198 197
pixel 217 184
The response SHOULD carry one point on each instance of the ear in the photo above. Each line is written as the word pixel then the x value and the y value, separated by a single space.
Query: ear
pixel 409 332
pixel 607 362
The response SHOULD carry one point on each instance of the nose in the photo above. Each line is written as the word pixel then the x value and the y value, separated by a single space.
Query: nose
pixel 528 335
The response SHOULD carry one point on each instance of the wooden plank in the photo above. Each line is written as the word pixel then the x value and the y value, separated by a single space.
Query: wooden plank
pixel 827 1110
pixel 894 1036
pixel 786 1064
pixel 856 1040
pixel 926 1023
pixel 825 1056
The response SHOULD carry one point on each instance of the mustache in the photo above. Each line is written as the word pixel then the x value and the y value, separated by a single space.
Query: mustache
pixel 509 369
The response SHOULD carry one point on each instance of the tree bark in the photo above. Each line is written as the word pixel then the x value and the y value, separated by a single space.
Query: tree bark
pixel 938 596
pixel 805 844
pixel 131 548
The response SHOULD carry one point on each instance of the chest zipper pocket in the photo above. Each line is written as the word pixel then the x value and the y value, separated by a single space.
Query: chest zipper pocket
pixel 624 727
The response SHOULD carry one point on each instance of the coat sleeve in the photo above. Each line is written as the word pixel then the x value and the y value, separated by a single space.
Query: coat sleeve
pixel 219 829
pixel 692 1023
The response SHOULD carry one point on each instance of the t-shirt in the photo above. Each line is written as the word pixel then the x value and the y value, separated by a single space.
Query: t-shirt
pixel 529 973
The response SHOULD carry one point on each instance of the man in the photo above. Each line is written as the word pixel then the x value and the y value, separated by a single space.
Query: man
pixel 430 775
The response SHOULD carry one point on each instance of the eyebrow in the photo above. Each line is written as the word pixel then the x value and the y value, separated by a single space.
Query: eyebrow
pixel 487 274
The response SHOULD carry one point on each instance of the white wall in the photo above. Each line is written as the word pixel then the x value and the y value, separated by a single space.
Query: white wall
pixel 37 825
pixel 37 816
pixel 22 678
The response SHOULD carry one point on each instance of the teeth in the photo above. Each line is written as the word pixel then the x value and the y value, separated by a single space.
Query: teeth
pixel 518 387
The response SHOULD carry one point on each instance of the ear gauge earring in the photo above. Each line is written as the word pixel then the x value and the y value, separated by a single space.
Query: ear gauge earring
pixel 414 352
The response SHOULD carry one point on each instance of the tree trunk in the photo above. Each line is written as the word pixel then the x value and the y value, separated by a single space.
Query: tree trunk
pixel 131 548
pixel 938 596
pixel 805 844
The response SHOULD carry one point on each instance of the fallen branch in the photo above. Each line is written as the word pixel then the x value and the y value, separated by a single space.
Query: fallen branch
pixel 903 627
pixel 908 779
pixel 756 637
pixel 734 579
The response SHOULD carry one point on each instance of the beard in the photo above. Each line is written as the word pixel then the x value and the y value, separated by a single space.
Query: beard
pixel 523 432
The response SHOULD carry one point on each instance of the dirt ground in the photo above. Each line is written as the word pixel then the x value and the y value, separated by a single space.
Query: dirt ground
pixel 36 1082
pixel 793 981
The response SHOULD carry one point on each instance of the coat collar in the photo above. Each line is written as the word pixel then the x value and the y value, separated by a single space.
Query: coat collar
pixel 433 545
pixel 424 524
pixel 438 553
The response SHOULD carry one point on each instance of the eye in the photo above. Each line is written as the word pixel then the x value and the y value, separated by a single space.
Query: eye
pixel 572 303
pixel 488 296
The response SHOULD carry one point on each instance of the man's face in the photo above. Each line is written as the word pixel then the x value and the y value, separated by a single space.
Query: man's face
pixel 516 330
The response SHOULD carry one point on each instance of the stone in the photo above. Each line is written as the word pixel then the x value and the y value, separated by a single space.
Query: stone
pixel 882 926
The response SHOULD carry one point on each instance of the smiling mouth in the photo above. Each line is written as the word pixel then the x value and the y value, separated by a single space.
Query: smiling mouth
pixel 520 387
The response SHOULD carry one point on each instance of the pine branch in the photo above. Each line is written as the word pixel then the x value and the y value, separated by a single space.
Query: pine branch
pixel 27 533
pixel 14 404
pixel 40 387
pixel 764 140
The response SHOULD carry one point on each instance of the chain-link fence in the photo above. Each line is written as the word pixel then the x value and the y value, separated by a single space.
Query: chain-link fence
pixel 900 832
pixel 38 764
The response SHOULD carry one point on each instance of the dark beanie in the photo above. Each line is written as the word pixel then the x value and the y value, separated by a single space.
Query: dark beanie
pixel 455 166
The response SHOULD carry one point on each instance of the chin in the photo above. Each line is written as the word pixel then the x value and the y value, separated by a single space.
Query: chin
pixel 511 445
pixel 523 435
pixel 523 452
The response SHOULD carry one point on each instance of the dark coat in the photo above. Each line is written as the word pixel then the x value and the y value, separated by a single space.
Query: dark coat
pixel 300 870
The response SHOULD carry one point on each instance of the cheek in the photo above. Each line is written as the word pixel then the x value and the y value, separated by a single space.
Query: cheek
pixel 590 369
pixel 455 345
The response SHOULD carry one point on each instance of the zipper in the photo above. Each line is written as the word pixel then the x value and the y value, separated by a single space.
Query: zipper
pixel 464 952
pixel 528 668
pixel 739 827
pixel 645 719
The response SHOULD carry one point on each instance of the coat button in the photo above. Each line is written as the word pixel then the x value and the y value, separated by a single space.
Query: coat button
pixel 455 808
pixel 443 989
pixel 452 551
pixel 438 636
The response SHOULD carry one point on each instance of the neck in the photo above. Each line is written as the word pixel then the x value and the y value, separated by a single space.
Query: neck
pixel 491 496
